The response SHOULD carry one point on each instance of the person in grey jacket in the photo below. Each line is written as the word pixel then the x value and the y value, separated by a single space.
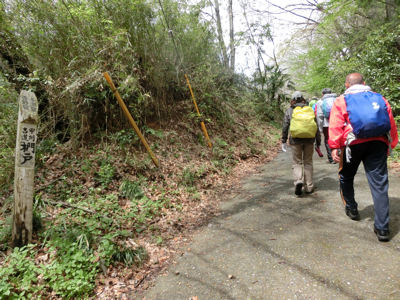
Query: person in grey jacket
pixel 323 122
pixel 302 150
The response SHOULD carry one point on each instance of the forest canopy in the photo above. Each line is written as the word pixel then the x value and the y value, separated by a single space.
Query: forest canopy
pixel 351 36
pixel 60 49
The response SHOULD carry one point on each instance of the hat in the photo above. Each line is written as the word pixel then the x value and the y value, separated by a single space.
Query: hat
pixel 326 91
pixel 297 95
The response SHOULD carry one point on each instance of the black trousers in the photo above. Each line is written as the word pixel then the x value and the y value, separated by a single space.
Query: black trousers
pixel 326 138
pixel 373 154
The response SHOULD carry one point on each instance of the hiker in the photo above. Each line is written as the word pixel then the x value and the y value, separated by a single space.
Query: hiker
pixel 300 121
pixel 324 106
pixel 362 128
pixel 313 103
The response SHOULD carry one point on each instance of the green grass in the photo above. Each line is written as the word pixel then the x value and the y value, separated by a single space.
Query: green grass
pixel 69 272
pixel 101 209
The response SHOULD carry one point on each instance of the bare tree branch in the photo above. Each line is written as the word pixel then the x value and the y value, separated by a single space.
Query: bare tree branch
pixel 291 11
pixel 231 37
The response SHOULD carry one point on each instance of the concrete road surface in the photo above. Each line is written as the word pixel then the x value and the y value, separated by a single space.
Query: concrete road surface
pixel 270 244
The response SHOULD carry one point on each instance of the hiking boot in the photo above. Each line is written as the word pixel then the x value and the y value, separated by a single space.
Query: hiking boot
pixel 352 213
pixel 298 189
pixel 310 191
pixel 382 234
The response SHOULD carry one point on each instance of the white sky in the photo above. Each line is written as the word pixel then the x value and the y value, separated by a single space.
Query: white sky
pixel 282 24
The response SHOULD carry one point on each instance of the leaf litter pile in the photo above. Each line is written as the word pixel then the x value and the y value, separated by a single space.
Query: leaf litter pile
pixel 135 217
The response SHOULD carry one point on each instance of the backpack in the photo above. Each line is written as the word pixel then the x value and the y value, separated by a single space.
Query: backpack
pixel 367 114
pixel 327 104
pixel 302 124
pixel 314 107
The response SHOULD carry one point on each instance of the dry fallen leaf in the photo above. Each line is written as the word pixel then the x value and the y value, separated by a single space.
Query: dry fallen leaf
pixel 191 214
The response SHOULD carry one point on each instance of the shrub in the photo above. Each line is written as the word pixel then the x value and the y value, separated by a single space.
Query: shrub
pixel 8 131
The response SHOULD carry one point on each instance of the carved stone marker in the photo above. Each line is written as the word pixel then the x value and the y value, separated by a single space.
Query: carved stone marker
pixel 24 168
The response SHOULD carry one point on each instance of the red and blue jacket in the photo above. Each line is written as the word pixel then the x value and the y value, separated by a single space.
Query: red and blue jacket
pixel 340 127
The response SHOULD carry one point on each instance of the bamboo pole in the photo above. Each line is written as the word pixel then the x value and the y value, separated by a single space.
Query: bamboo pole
pixel 203 126
pixel 129 116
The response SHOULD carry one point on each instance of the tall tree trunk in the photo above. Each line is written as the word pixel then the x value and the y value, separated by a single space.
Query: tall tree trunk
pixel 391 9
pixel 220 35
pixel 261 65
pixel 231 35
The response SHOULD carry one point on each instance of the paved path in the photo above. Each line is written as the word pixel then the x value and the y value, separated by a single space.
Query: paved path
pixel 269 244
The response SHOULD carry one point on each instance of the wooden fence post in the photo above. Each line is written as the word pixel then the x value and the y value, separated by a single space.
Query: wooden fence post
pixel 24 168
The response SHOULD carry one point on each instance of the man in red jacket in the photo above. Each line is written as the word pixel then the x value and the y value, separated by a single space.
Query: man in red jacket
pixel 372 151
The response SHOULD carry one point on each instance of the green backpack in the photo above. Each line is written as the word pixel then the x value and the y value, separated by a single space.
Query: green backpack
pixel 302 124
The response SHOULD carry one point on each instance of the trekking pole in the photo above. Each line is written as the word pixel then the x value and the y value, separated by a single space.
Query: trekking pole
pixel 129 116
pixel 203 126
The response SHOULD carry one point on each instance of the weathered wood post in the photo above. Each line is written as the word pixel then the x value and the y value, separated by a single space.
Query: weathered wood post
pixel 24 168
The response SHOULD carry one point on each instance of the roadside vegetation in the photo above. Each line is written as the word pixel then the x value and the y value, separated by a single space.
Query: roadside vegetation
pixel 104 212
pixel 352 36
pixel 105 218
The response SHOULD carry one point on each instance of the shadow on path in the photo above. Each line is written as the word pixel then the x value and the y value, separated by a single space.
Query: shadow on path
pixel 270 244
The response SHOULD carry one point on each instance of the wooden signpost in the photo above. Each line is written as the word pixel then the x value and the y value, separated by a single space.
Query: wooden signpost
pixel 24 168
